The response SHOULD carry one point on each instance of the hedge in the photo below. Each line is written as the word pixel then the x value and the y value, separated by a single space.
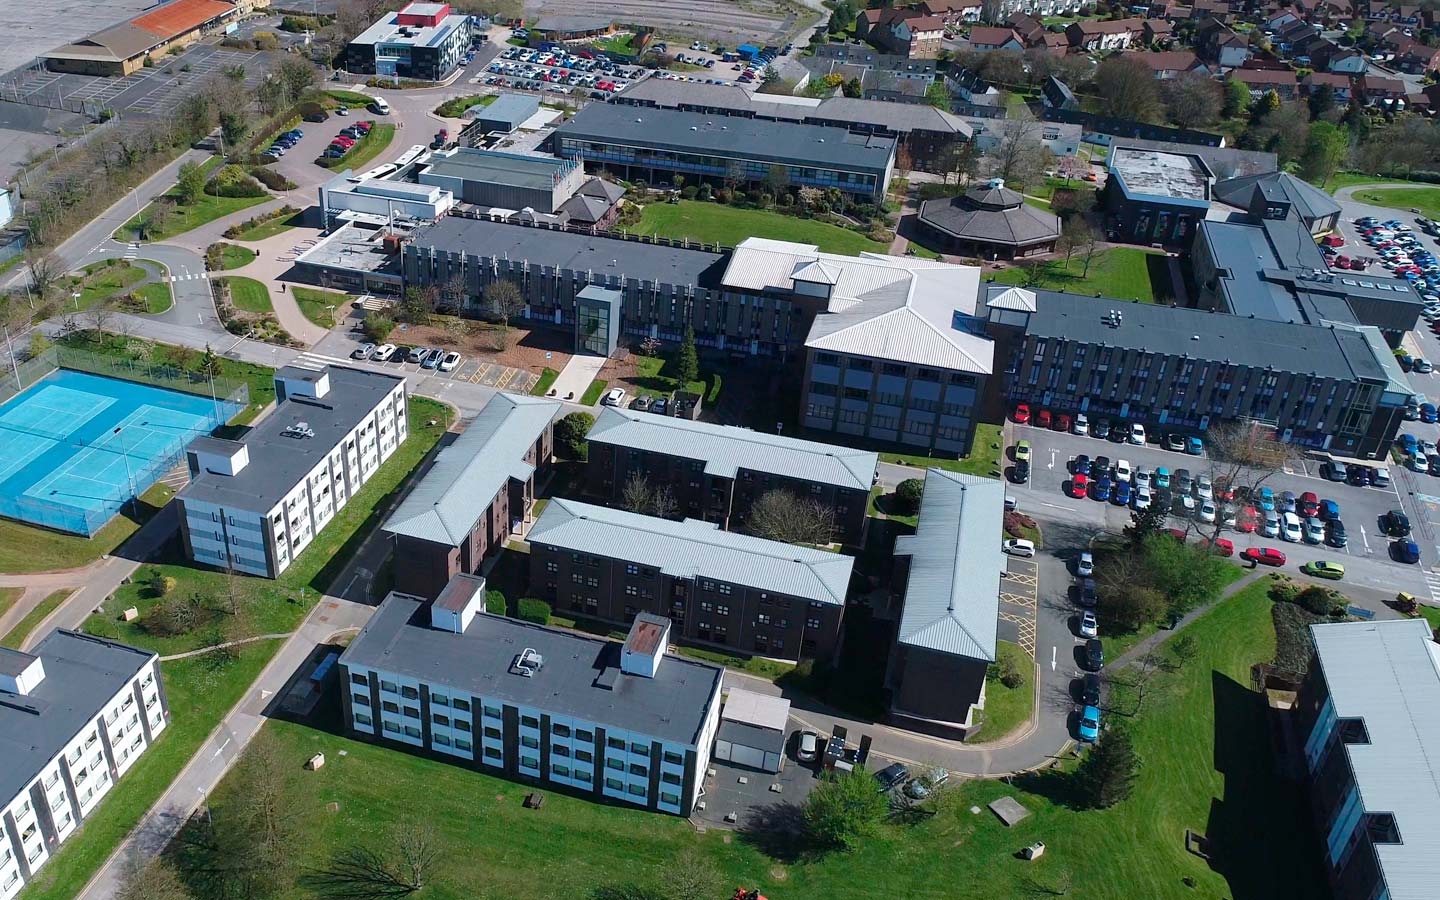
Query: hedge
pixel 234 181
pixel 495 603
pixel 531 610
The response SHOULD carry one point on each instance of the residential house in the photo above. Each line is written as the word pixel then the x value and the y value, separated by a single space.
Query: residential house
pixel 1279 19
pixel 1339 84
pixel 984 39
pixel 1104 34
pixel 952 12
pixel 907 31
pixel 1377 90
pixel 1262 81
pixel 1219 10
pixel 1341 60
pixel 1168 64
pixel 1157 32
pixel 1418 59
pixel 1221 45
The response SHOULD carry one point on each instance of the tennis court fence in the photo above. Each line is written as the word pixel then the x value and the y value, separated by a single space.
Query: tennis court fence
pixel 229 395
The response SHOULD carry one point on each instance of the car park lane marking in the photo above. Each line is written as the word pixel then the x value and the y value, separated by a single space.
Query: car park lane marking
pixel 1025 626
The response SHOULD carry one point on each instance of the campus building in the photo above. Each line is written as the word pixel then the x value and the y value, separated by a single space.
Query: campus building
pixel 122 49
pixel 1155 197
pixel 424 41
pixel 1317 209
pixel 628 724
pixel 480 489
pixel 255 503
pixel 656 145
pixel 733 590
pixel 1329 387
pixel 717 472
pixel 533 188
pixel 988 222
pixel 75 713
pixel 948 573
pixel 1365 721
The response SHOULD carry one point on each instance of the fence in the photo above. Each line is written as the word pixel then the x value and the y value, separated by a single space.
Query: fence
pixel 229 398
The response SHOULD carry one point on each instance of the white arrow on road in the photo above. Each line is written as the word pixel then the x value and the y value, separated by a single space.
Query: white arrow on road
pixel 1364 539
pixel 1054 653
pixel 1052 459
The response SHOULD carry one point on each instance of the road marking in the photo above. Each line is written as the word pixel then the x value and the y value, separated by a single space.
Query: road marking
pixel 1054 655
pixel 1364 539
pixel 1052 459
pixel 222 747
pixel 1059 506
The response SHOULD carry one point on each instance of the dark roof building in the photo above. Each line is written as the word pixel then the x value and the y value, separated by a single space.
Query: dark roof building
pixel 1317 209
pixel 507 113
pixel 989 221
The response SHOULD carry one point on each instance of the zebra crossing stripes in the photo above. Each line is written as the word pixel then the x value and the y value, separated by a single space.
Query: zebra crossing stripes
pixel 190 276
pixel 1432 581
pixel 132 250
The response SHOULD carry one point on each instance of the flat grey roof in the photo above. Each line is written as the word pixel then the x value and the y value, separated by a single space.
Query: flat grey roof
pixel 671 706
pixel 448 501
pixel 730 136
pixel 1214 336
pixel 82 672
pixel 751 736
pixel 695 549
pixel 952 597
pixel 512 108
pixel 278 462
pixel 604 256
pixel 727 449
pixel 1182 176
pixel 1388 675
pixel 518 170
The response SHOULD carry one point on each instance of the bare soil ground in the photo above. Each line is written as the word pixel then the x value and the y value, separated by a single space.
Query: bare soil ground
pixel 530 349
pixel 730 22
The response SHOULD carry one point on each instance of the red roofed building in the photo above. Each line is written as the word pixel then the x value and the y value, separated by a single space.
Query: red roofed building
pixel 122 49
pixel 909 31
pixel 1260 81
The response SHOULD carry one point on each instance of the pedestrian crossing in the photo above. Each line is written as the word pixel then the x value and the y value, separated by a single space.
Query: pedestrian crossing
pixel 189 276
pixel 132 250
pixel 1432 581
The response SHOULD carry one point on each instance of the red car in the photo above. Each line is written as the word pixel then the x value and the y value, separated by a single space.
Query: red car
pixel 1222 546
pixel 1043 419
pixel 1022 413
pixel 1263 555
pixel 1079 487
pixel 1342 262
pixel 1309 504
pixel 1177 533
pixel 1248 520
pixel 1333 240
pixel 1062 422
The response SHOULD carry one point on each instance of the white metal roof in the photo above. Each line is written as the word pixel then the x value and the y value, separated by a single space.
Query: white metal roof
pixel 952 597
pixel 1388 674
pixel 762 710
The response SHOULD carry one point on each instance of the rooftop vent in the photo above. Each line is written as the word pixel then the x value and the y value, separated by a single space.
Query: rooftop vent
pixel 528 663
pixel 299 431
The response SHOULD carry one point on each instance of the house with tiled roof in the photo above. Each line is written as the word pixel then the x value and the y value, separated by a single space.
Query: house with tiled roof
pixel 1417 59
pixel 1167 64
pixel 1157 31
pixel 1339 84
pixel 1261 81
pixel 983 39
pixel 908 31
pixel 1220 44
pixel 1104 34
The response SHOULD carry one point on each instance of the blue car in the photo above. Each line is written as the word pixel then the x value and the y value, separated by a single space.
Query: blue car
pixel 1329 510
pixel 1088 729
pixel 1267 499
pixel 1406 551
pixel 1100 489
pixel 1409 443
pixel 1121 495
pixel 1428 413
pixel 1162 477
pixel 1194 446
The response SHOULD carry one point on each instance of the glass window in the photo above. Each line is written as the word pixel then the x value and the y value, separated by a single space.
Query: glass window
pixel 674 758
pixel 462 744
pixel 530 721
pixel 584 736
pixel 559 729
pixel 387 686
pixel 529 762
pixel 531 742
pixel 441 739
pixel 492 752
pixel 461 705
pixel 672 799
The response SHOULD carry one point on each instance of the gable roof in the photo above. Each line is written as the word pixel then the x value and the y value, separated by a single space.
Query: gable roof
pixel 952 595
pixel 1309 201
pixel 992 36
pixel 695 549
pixel 450 498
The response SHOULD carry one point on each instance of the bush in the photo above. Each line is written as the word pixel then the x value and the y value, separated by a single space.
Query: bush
pixel 495 603
pixel 1017 524
pixel 273 179
pixel 570 433
pixel 1293 646
pixel 531 610
pixel 378 328
pixel 266 40
pixel 234 181
pixel 908 494
pixel 174 615
pixel 1321 601
pixel 689 191
pixel 242 227
pixel 161 585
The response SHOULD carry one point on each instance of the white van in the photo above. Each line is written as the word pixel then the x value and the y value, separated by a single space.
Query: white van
pixel 380 106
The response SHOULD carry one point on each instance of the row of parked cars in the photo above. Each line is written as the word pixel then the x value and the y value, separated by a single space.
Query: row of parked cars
pixel 665 406
pixel 1398 249
pixel 425 357
pixel 1118 432
pixel 282 145
pixel 346 140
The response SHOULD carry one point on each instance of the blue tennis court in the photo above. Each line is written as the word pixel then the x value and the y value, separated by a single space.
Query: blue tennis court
pixel 75 447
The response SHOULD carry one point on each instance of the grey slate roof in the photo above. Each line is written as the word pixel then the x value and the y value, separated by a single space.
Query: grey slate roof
pixel 450 498
pixel 510 108
pixel 695 549
pixel 1388 674
pixel 671 706
pixel 604 256
pixel 1214 336
pixel 991 217
pixel 1308 200
pixel 952 597
pixel 518 169
pixel 726 449
pixel 81 673
pixel 278 462
pixel 729 136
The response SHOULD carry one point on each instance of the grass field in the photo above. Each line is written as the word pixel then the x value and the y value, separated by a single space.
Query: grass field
pixel 547 378
pixel 270 228
pixel 99 281
pixel 186 216
pixel 1121 273
pixel 715 223
pixel 8 596
pixel 248 294
pixel 1206 765
pixel 593 392
pixel 319 306
pixel 984 459
pixel 157 295
pixel 651 381
pixel 17 635
pixel 1425 199
pixel 1008 708
pixel 199 693
pixel 233 256
pixel 1351 179
pixel 25 548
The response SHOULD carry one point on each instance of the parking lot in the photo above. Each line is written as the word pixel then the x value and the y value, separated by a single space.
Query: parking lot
pixel 1019 590
pixel 339 345
pixel 558 72
pixel 1366 557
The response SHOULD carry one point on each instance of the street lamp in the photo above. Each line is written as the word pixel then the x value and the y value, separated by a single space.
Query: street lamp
pixel 128 476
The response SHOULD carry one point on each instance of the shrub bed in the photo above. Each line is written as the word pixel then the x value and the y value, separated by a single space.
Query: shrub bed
pixel 242 227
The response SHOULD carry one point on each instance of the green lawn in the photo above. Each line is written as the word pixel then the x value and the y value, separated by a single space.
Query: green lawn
pixel 650 380
pixel 319 306
pixel 593 392
pixel 1206 765
pixel 157 295
pixel 248 294
pixel 25 548
pixel 1431 615
pixel 1121 273
pixel 547 378
pixel 883 504
pixel 1426 199
pixel 186 216
pixel 769 669
pixel 270 228
pixel 200 691
pixel 714 223
pixel 984 459
pixel 351 99
pixel 1119 642
pixel 17 635
pixel 455 107
pixel 99 281
pixel 1008 708
pixel 8 596
pixel 365 149
pixel 233 256
pixel 1351 179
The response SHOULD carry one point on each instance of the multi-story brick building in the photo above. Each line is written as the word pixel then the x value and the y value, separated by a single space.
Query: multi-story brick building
pixel 75 714
pixel 627 724
pixel 1366 726
pixel 480 487
pixel 717 472
pixel 734 590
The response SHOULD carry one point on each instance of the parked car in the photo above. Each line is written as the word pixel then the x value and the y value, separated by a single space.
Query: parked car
pixel 1022 451
pixel 1020 547
pixel 892 775
pixel 1336 536
pixel 1321 568
pixel 1042 420
pixel 1314 531
pixel 1094 655
pixel 364 351
pixel 417 354
pixel 1290 529
pixel 1395 523
pixel 1088 728
pixel 614 397
pixel 1079 486
pixel 1090 690
pixel 434 358
pixel 1081 425
pixel 922 786
pixel 1175 442
pixel 450 362
pixel 1089 627
pixel 383 353
pixel 808 749
pixel 1137 433
pixel 1080 465
pixel 1406 551
pixel 1085 592
pixel 1085 564
pixel 1268 556
pixel 1101 429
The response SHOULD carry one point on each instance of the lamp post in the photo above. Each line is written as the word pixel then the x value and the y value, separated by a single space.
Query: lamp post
pixel 13 366
pixel 129 478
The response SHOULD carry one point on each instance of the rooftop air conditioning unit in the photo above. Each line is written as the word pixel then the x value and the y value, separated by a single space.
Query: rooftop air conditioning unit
pixel 529 662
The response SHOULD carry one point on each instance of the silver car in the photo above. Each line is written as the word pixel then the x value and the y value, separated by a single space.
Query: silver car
pixel 364 351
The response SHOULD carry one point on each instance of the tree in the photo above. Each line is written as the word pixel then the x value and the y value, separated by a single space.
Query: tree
pixel 1188 575
pixel 504 300
pixel 452 294
pixel 1193 99
pixel 296 74
pixel 1284 131
pixel 1184 648
pixel 1020 158
pixel 570 434
pixel 152 879
pixel 209 363
pixel 46 270
pixel 781 516
pixel 777 179
pixel 959 159
pixel 1132 607
pixel 256 836
pixel 690 875
pixel 191 182
pixel 851 88
pixel 1321 100
pixel 377 327
pixel 418 303
pixel 639 496
pixel 1127 88
pixel 687 363
pixel 1145 522
pixel 1087 242
pixel 908 494
pixel 417 848
pixel 1072 202
pixel 1324 152
pixel 843 810
pixel 938 96
pixel 1108 772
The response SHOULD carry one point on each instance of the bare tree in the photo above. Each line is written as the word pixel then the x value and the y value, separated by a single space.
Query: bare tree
pixel 100 317
pixel 152 879
pixel 453 294
pixel 46 270
pixel 1243 456
pixel 781 516
pixel 417 849
pixel 1194 100
pixel 504 301
pixel 1128 89
pixel 690 875
pixel 639 496
pixel 1020 157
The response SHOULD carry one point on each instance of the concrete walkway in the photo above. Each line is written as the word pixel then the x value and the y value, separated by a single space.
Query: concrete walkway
pixel 1164 634
pixel 575 378
pixel 213 647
